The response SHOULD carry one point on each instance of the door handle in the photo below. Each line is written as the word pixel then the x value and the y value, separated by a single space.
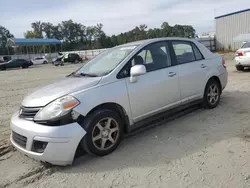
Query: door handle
pixel 203 66
pixel 171 74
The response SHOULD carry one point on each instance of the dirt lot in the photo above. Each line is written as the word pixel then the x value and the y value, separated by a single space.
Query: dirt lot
pixel 206 148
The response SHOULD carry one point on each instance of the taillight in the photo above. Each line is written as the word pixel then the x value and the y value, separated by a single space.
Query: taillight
pixel 240 53
pixel 223 63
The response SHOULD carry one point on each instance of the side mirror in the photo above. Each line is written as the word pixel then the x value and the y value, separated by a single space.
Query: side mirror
pixel 137 70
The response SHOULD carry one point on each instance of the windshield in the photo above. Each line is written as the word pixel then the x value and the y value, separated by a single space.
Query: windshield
pixel 105 62
pixel 246 45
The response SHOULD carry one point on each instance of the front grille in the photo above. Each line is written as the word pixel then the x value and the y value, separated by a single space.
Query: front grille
pixel 28 112
pixel 19 139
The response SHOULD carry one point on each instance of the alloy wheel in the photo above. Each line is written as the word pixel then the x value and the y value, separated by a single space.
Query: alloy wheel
pixel 105 133
pixel 213 94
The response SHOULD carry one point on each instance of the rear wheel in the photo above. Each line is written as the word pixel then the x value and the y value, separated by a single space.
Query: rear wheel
pixel 104 132
pixel 239 68
pixel 45 62
pixel 212 93
pixel 2 68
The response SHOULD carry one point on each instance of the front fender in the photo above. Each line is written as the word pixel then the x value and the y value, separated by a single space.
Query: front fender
pixel 115 92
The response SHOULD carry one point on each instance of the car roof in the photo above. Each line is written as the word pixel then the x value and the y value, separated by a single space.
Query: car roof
pixel 148 41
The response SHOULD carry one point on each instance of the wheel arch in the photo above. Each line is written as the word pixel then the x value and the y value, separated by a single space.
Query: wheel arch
pixel 217 79
pixel 116 108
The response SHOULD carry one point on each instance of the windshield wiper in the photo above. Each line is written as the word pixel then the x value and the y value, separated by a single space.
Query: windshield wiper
pixel 82 74
pixel 71 74
pixel 88 74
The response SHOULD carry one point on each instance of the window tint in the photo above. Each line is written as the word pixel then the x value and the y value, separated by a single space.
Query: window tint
pixel 155 56
pixel 147 56
pixel 197 53
pixel 183 51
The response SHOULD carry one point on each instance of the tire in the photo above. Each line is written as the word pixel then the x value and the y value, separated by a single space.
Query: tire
pixel 3 68
pixel 103 145
pixel 212 94
pixel 25 66
pixel 239 68
pixel 45 62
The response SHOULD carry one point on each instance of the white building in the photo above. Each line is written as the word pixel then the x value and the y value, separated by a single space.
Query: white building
pixel 229 26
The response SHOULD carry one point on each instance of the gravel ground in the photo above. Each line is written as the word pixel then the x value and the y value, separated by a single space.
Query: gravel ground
pixel 205 148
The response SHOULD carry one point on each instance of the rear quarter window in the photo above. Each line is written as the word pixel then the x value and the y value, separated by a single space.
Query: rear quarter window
pixel 197 53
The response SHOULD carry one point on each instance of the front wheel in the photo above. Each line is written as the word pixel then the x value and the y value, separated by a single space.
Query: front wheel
pixel 212 94
pixel 104 132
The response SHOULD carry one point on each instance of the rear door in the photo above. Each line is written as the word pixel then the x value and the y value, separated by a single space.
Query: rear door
pixel 192 70
pixel 38 60
pixel 41 60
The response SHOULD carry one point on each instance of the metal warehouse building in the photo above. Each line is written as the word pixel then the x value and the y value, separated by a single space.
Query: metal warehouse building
pixel 229 26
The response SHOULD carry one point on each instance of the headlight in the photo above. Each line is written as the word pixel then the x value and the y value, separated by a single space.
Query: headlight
pixel 57 108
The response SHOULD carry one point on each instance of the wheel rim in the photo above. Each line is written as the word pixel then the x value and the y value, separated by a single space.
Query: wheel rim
pixel 213 94
pixel 105 133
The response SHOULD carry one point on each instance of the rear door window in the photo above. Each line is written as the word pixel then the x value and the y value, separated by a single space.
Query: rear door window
pixel 183 51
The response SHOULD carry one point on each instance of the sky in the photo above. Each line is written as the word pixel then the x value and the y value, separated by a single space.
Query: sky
pixel 116 15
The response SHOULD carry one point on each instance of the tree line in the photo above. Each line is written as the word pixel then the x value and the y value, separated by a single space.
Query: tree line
pixel 76 36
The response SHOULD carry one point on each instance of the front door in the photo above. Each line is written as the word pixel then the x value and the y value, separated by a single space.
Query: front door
pixel 13 64
pixel 158 89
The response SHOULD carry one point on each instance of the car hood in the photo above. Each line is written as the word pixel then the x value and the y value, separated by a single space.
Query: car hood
pixel 45 95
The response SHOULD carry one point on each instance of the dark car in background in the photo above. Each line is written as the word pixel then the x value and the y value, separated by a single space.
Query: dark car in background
pixel 72 58
pixel 67 58
pixel 14 63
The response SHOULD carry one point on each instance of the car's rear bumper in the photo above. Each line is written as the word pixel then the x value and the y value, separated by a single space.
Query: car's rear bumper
pixel 242 61
pixel 62 141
